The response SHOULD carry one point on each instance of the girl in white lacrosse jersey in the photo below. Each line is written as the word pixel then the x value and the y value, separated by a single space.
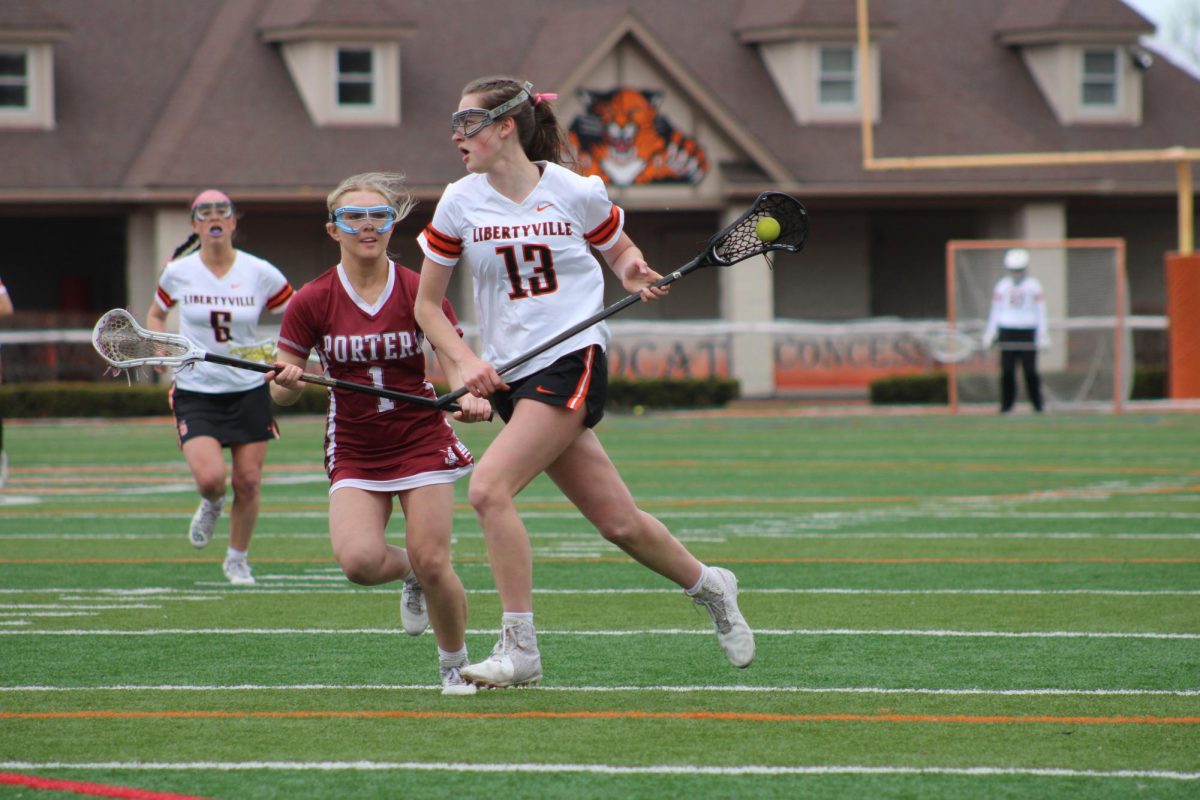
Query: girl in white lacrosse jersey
pixel 524 226
pixel 221 292
pixel 358 317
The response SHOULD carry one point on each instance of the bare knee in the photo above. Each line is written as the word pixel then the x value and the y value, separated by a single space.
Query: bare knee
pixel 246 487
pixel 487 495
pixel 430 565
pixel 360 567
pixel 211 484
pixel 626 529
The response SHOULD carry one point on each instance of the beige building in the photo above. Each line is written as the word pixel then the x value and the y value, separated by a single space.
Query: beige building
pixel 113 115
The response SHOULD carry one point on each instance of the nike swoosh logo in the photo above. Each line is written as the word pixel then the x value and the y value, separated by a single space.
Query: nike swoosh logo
pixel 543 390
pixel 543 206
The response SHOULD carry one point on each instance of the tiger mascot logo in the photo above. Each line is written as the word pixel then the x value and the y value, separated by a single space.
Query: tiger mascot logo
pixel 621 137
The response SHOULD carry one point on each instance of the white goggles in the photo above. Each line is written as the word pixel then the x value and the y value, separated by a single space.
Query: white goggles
pixel 203 212
pixel 471 121
pixel 353 219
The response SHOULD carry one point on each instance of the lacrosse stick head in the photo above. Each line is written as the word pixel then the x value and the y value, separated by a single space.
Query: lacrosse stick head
pixel 124 344
pixel 949 346
pixel 741 239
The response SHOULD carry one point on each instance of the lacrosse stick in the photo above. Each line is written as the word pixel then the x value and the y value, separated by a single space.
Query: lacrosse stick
pixel 740 240
pixel 125 344
pixel 950 346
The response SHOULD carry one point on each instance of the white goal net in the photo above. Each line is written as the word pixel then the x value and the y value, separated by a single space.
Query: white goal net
pixel 1089 361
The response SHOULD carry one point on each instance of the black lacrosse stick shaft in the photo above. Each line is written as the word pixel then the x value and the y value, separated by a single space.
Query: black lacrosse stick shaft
pixel 336 383
pixel 736 242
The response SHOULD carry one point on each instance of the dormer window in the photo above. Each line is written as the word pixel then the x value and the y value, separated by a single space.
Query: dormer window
pixel 355 76
pixel 1099 78
pixel 347 73
pixel 14 80
pixel 836 69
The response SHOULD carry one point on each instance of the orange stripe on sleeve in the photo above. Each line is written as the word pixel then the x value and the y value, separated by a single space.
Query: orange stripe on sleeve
pixel 281 297
pixel 164 298
pixel 442 244
pixel 605 230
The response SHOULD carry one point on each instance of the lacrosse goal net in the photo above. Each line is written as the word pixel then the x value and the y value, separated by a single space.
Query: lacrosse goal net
pixel 1089 363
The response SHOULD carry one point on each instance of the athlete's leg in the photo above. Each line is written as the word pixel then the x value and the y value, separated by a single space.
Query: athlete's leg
pixel 531 440
pixel 588 477
pixel 429 513
pixel 357 524
pixel 207 463
pixel 246 480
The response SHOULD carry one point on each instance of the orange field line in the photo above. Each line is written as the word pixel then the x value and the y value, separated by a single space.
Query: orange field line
pixel 718 716
pixel 623 560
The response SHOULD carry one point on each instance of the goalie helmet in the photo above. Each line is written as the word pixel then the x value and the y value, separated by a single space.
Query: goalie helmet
pixel 1017 258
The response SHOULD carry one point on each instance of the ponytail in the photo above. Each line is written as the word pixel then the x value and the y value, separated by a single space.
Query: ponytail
pixel 190 246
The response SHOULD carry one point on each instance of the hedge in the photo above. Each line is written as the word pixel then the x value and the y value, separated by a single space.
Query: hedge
pixel 116 398
pixel 932 388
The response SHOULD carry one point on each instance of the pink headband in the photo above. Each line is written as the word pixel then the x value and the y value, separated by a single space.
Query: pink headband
pixel 540 96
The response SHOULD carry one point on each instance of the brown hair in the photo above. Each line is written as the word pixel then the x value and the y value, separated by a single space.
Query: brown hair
pixel 538 130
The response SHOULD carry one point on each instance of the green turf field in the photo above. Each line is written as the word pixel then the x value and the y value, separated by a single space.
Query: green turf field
pixel 944 606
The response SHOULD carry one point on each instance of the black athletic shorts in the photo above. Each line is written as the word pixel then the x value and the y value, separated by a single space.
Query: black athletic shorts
pixel 578 379
pixel 228 417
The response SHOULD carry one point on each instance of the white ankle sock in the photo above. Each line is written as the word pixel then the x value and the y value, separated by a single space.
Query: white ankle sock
pixel 456 658
pixel 699 583
pixel 233 554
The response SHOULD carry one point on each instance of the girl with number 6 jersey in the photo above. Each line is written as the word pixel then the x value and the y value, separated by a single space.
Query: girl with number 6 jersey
pixel 524 226
pixel 220 293
pixel 358 317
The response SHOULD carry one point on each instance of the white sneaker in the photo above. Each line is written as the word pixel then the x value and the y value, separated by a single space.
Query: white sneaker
pixel 204 521
pixel 718 594
pixel 454 684
pixel 238 572
pixel 515 660
pixel 414 616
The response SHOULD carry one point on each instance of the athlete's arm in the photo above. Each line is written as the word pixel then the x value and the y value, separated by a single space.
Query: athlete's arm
pixel 626 261
pixel 285 383
pixel 475 373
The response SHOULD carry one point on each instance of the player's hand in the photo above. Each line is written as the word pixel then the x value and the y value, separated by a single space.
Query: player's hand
pixel 473 409
pixel 640 278
pixel 481 378
pixel 286 375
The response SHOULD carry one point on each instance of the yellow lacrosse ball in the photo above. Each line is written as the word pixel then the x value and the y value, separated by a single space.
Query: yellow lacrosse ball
pixel 767 229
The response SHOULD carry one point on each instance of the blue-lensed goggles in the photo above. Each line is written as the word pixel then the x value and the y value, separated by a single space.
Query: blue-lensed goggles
pixel 353 219
pixel 471 121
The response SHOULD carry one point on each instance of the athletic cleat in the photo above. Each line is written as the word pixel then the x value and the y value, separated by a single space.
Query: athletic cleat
pixel 204 521
pixel 414 616
pixel 718 594
pixel 515 660
pixel 238 572
pixel 454 684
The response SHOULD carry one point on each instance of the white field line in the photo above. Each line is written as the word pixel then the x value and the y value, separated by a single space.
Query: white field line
pixel 615 633
pixel 301 586
pixel 853 690
pixel 702 535
pixel 595 769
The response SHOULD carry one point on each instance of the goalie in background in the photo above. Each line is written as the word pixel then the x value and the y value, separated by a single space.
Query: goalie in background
pixel 1018 323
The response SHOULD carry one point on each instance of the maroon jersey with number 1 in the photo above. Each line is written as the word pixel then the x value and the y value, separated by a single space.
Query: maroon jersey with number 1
pixel 371 442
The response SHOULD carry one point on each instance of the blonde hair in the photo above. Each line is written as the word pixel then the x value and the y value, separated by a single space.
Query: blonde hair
pixel 390 185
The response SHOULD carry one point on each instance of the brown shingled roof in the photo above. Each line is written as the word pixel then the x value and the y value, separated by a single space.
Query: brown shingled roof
pixel 167 97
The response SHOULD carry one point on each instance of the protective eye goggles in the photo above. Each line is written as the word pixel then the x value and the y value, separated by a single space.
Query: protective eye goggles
pixel 471 121
pixel 353 219
pixel 203 212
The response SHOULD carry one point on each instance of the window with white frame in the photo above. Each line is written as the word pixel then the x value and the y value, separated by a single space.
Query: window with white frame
pixel 1099 80
pixel 14 80
pixel 355 76
pixel 836 82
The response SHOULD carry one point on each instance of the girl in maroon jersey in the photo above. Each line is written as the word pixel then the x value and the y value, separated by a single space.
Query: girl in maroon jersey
pixel 358 317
